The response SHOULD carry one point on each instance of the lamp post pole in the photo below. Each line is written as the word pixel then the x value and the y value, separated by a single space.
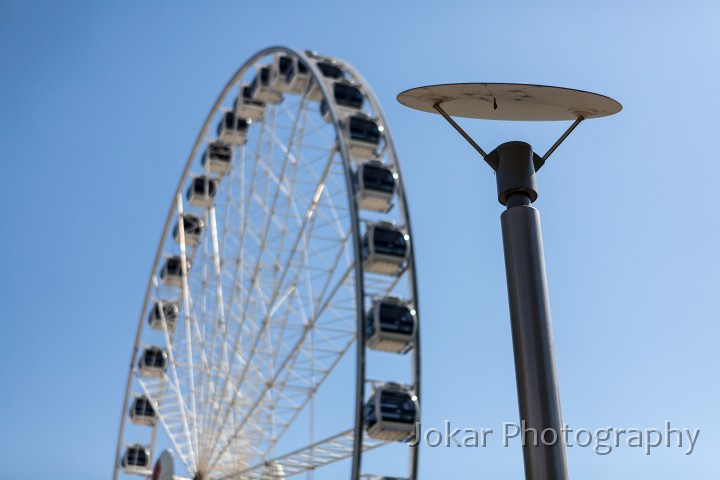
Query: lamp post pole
pixel 537 385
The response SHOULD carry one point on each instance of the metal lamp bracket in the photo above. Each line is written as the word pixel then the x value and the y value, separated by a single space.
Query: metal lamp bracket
pixel 491 159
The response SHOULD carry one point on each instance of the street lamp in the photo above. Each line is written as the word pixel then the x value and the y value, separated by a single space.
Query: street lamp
pixel 515 165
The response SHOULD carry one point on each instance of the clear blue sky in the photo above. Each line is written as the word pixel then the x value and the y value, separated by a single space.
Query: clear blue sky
pixel 101 102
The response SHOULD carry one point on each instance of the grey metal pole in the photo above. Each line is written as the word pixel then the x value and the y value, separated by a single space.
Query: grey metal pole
pixel 538 394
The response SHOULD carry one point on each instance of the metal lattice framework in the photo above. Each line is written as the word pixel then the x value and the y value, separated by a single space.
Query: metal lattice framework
pixel 331 450
pixel 271 295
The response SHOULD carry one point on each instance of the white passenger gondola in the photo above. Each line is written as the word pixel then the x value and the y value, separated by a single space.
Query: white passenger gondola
pixel 281 67
pixel 153 362
pixel 375 186
pixel 331 72
pixel 260 88
pixel 136 459
pixel 385 248
pixel 391 413
pixel 364 135
pixel 172 272
pixel 142 412
pixel 297 77
pixel 390 325
pixel 201 191
pixel 192 229
pixel 217 158
pixel 248 107
pixel 160 310
pixel 348 98
pixel 330 69
pixel 233 130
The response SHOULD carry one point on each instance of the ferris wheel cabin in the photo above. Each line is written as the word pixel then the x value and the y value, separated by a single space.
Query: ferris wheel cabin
pixel 331 72
pixel 348 98
pixel 142 412
pixel 172 272
pixel 192 229
pixel 297 77
pixel 281 67
pixel 153 362
pixel 260 88
pixel 390 325
pixel 233 130
pixel 160 311
pixel 217 158
pixel 136 459
pixel 391 413
pixel 330 69
pixel 375 185
pixel 385 248
pixel 247 107
pixel 364 135
pixel 201 191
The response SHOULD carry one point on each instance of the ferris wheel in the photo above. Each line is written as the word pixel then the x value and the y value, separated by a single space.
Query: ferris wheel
pixel 284 279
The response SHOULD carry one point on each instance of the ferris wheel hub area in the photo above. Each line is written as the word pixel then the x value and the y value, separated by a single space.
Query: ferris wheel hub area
pixel 509 101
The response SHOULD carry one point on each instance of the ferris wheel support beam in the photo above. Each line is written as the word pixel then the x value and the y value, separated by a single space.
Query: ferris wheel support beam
pixel 324 452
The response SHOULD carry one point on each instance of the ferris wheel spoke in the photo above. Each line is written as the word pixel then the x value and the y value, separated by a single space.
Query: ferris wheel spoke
pixel 188 413
pixel 218 319
pixel 307 221
pixel 290 367
pixel 174 401
pixel 313 358
pixel 220 387
pixel 286 270
pixel 337 349
pixel 257 385
pixel 219 358
pixel 174 431
pixel 270 214
pixel 195 323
